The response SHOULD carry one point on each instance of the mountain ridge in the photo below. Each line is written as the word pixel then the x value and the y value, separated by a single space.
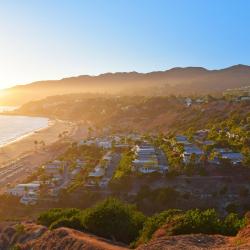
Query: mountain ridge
pixel 177 81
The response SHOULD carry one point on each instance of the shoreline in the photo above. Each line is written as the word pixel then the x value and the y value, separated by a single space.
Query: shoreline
pixel 27 134
pixel 23 146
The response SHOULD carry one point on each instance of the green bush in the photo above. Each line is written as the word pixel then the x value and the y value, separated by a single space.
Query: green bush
pixel 115 220
pixel 154 222
pixel 207 222
pixel 47 218
pixel 119 221
pixel 196 221
pixel 232 224
pixel 74 222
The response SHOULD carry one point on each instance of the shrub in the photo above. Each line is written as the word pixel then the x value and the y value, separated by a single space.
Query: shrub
pixel 74 222
pixel 154 222
pixel 115 220
pixel 47 218
pixel 232 224
pixel 196 221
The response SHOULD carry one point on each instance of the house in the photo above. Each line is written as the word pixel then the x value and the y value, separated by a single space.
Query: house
pixel 107 157
pixel 234 157
pixel 95 176
pixel 222 150
pixel 55 168
pixel 201 134
pixel 199 101
pixel 74 173
pixel 29 198
pixel 22 189
pixel 98 172
pixel 105 144
pixel 87 142
pixel 181 139
pixel 189 151
pixel 80 163
pixel 104 182
pixel 188 102
pixel 146 160
pixel 244 98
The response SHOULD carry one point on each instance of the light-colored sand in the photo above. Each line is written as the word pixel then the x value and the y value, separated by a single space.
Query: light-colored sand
pixel 25 146
pixel 21 158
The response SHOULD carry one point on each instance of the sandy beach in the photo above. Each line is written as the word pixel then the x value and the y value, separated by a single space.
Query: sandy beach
pixel 25 145
pixel 22 157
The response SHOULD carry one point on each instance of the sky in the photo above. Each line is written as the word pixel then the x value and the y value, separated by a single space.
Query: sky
pixel 44 39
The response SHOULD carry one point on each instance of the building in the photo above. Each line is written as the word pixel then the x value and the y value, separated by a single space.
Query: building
pixel 234 157
pixel 55 168
pixel 145 159
pixel 105 144
pixel 238 94
pixel 23 189
pixel 188 102
pixel 30 198
pixel 181 139
pixel 189 151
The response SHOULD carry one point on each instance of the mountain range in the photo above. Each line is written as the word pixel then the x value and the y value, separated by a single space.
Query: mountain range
pixel 183 81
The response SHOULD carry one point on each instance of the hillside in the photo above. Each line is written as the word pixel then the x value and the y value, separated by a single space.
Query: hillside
pixel 38 237
pixel 143 114
pixel 190 80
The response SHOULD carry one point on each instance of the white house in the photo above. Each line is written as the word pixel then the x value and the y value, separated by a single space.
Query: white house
pixel 97 172
pixel 188 102
pixel 146 160
pixel 22 189
pixel 29 198
pixel 55 168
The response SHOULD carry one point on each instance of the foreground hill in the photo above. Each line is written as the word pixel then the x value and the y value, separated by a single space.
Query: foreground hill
pixel 200 241
pixel 32 236
pixel 190 80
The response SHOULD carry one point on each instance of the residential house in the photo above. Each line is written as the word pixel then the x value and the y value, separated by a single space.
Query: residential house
pixel 145 159
pixel 234 157
pixel 22 189
pixel 182 139
pixel 29 198
pixel 189 151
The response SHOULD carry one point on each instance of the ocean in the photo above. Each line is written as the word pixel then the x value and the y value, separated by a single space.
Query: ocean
pixel 14 127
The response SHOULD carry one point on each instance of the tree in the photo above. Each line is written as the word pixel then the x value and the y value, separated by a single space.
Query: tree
pixel 115 220
pixel 36 143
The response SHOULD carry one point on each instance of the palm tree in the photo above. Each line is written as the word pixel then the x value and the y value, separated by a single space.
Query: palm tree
pixel 36 143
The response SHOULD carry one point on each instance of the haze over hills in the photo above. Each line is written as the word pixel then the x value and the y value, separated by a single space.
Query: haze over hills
pixel 184 81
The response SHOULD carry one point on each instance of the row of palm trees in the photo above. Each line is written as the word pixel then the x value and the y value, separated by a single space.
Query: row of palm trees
pixel 39 143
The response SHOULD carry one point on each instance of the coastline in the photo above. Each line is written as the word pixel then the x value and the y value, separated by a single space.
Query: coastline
pixel 24 135
pixel 23 146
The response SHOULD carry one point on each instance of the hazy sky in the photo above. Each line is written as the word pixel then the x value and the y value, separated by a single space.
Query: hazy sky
pixel 51 39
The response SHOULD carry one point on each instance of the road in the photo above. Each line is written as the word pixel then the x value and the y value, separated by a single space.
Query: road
pixel 112 165
pixel 23 167
pixel 161 157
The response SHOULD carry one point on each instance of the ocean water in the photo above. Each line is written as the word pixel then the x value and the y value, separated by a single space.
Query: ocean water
pixel 14 127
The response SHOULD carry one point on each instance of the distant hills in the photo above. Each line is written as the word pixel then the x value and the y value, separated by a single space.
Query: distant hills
pixel 184 81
